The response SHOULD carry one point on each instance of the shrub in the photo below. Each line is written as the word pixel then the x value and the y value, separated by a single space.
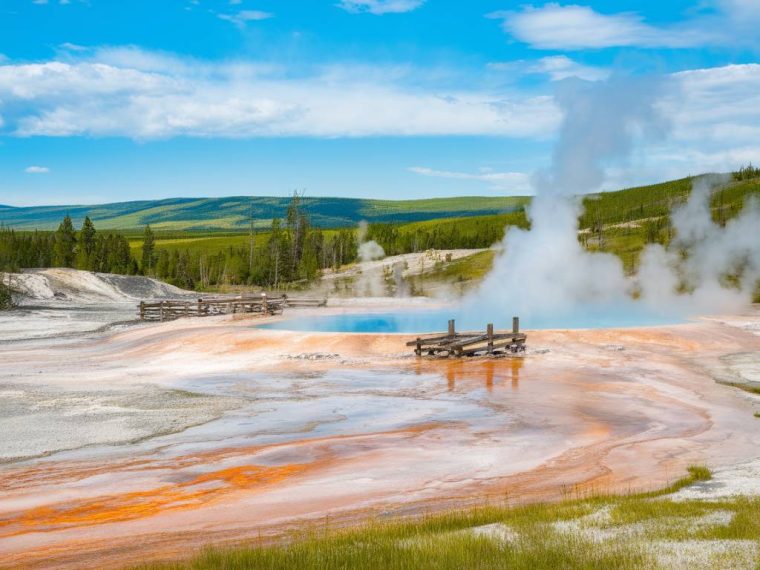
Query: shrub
pixel 6 297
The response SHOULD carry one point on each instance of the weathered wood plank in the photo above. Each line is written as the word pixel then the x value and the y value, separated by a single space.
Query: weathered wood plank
pixel 471 343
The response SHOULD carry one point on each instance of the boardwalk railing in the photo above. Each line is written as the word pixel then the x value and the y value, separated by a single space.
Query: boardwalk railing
pixel 455 343
pixel 207 307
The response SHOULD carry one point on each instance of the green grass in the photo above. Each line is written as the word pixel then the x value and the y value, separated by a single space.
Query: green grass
pixel 631 524
pixel 746 387
pixel 471 268
pixel 657 201
pixel 452 205
pixel 469 225
pixel 634 203
pixel 757 414
pixel 207 244
pixel 398 550
pixel 728 201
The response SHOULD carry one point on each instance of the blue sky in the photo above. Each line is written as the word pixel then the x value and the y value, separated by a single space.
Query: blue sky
pixel 109 101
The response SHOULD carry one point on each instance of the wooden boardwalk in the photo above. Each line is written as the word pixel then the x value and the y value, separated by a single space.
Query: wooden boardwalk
pixel 210 306
pixel 460 344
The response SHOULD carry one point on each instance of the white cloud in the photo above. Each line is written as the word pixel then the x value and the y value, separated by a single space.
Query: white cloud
pixel 379 7
pixel 126 92
pixel 68 46
pixel 45 2
pixel 717 106
pixel 576 27
pixel 557 67
pixel 244 16
pixel 714 118
pixel 143 95
pixel 515 182
pixel 560 67
pixel 37 170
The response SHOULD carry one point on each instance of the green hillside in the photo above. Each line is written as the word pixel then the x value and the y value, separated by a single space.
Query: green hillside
pixel 180 217
pixel 234 213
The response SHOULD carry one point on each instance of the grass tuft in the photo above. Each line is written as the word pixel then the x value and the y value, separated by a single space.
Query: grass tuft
pixel 696 473
pixel 699 473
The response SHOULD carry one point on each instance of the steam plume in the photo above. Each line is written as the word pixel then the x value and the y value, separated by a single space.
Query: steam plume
pixel 371 281
pixel 545 271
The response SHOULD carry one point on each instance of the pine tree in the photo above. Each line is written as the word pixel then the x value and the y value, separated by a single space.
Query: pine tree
pixel 65 244
pixel 86 245
pixel 148 251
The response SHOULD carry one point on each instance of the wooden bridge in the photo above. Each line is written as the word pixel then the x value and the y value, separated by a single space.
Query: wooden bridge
pixel 471 343
pixel 207 307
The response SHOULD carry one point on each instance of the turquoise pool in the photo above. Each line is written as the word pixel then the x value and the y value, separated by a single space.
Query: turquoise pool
pixel 426 321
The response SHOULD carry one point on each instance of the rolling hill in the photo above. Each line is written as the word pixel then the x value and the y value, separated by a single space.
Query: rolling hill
pixel 234 213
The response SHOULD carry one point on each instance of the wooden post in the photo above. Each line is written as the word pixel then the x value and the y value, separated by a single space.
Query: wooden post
pixel 515 325
pixel 452 328
pixel 264 304
pixel 161 311
pixel 142 310
pixel 489 332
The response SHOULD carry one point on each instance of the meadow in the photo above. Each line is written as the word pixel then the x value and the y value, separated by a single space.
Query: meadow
pixel 646 530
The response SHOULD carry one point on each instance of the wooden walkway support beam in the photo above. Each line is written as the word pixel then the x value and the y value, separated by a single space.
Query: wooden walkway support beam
pixel 471 343
pixel 265 305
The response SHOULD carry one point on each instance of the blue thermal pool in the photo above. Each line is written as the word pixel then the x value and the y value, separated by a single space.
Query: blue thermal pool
pixel 427 321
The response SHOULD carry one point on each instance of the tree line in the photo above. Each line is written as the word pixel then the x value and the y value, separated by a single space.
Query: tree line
pixel 746 173
pixel 292 252
pixel 85 249
pixel 462 233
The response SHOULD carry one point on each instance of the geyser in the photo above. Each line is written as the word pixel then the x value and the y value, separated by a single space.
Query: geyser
pixel 544 271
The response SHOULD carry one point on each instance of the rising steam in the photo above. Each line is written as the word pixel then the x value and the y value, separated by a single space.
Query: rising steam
pixel 545 272
pixel 371 282
pixel 722 264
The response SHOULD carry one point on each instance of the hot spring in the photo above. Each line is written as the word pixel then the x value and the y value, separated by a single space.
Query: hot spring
pixel 428 321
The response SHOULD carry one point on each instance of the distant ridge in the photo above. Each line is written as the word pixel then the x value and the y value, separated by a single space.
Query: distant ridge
pixel 233 213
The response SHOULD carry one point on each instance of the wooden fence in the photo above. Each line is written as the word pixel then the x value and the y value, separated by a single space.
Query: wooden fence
pixel 207 307
pixel 455 343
